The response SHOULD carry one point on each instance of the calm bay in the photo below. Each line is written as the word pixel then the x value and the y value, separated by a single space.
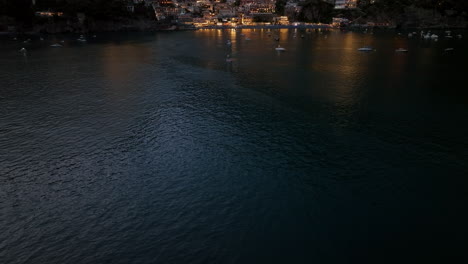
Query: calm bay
pixel 155 148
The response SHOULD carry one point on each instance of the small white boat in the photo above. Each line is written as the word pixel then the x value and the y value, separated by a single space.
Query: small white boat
pixel 449 49
pixel 228 42
pixel 56 45
pixel 366 49
pixel 23 50
pixel 401 50
pixel 448 36
pixel 434 36
pixel 247 38
pixel 279 48
pixel 229 59
pixel 82 38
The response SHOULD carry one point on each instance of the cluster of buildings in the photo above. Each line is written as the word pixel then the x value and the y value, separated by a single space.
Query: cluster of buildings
pixel 204 13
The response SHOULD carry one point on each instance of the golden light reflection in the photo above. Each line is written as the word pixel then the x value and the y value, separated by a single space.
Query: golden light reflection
pixel 233 39
pixel 398 61
pixel 121 64
pixel 347 65
pixel 283 33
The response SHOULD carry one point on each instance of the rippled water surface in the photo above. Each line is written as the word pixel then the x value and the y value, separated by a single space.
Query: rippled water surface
pixel 151 148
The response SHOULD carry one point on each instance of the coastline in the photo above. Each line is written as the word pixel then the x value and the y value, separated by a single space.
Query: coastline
pixel 51 29
pixel 150 26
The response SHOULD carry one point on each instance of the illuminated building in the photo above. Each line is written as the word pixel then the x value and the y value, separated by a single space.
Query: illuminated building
pixel 48 14
pixel 344 4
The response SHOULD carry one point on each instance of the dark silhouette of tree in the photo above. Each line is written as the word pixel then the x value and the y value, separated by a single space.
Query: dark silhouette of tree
pixel 316 11
pixel 279 6
pixel 20 10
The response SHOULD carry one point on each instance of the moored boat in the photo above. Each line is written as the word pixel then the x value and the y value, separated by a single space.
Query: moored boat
pixel 366 49
pixel 401 50
pixel 279 48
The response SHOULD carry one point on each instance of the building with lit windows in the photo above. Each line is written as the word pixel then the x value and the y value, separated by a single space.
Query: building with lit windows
pixel 259 6
pixel 345 4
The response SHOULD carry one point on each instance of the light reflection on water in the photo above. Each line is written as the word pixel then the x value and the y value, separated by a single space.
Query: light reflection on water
pixel 144 148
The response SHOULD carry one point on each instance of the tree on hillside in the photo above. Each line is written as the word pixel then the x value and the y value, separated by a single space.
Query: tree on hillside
pixel 458 6
pixel 20 10
pixel 142 10
pixel 98 9
pixel 316 11
pixel 279 6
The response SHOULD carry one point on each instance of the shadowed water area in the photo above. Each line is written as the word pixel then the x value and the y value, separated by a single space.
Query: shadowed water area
pixel 151 148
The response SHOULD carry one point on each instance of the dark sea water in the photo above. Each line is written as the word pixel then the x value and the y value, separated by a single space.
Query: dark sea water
pixel 151 148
